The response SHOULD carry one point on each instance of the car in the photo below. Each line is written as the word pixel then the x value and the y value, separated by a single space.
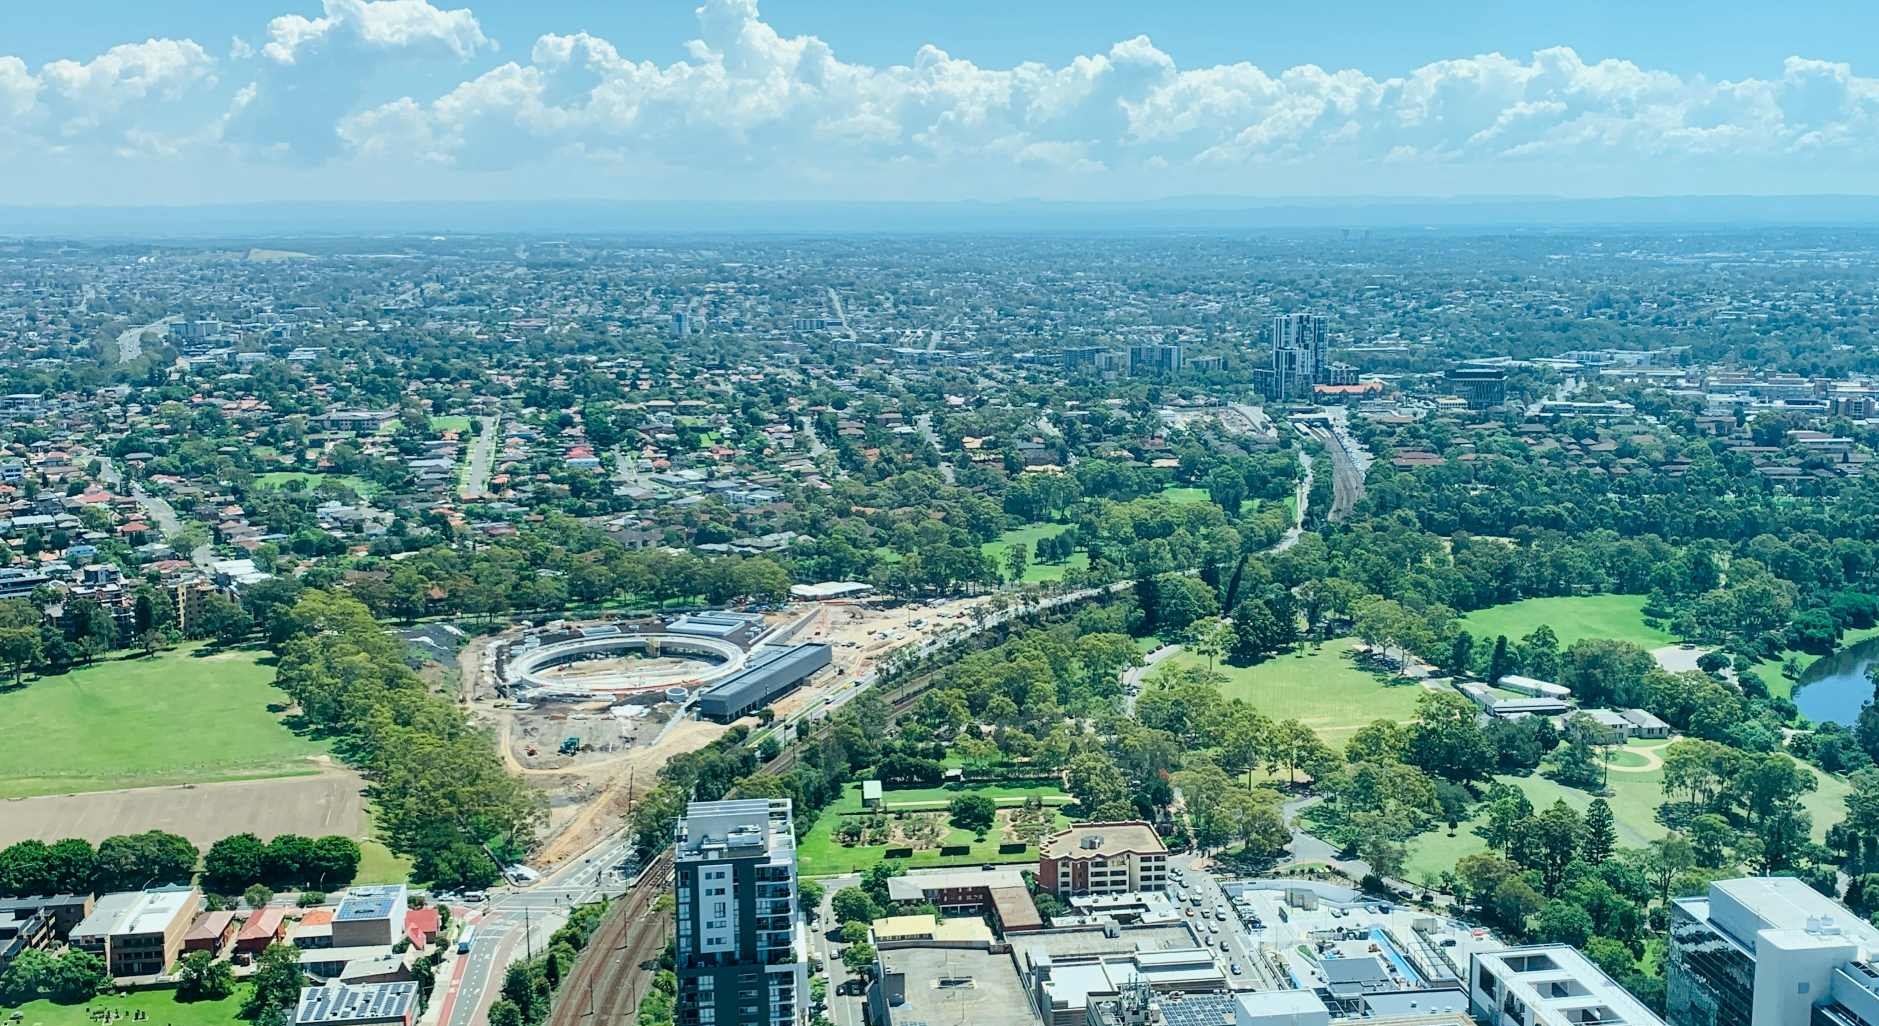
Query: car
pixel 1235 967
pixel 474 897
pixel 1224 946
pixel 1189 911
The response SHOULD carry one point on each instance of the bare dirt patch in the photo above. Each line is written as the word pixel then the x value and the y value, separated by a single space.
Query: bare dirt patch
pixel 330 802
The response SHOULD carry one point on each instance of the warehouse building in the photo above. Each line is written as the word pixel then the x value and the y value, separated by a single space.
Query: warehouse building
pixel 770 672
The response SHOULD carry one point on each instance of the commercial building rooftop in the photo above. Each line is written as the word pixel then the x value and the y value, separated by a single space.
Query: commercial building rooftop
pixel 1560 986
pixel 368 903
pixel 955 985
pixel 1103 840
pixel 1743 908
pixel 771 670
pixel 915 885
pixel 907 929
pixel 339 1003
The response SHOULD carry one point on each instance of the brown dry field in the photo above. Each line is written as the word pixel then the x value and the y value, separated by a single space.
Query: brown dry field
pixel 326 803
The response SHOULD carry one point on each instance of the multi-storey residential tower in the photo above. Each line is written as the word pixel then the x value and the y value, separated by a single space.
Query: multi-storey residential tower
pixel 1299 355
pixel 741 952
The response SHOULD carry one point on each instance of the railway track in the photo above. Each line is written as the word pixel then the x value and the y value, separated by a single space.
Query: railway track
pixel 607 983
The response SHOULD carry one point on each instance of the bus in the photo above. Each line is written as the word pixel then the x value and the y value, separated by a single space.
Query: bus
pixel 463 942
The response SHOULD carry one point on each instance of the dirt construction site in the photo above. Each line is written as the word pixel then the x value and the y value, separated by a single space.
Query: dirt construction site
pixel 593 758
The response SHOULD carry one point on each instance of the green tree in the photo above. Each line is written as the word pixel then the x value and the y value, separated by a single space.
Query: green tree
pixel 203 977
pixel 809 898
pixel 852 904
pixel 129 862
pixel 1562 922
pixel 1446 738
pixel 277 980
pixel 974 812
pixel 77 976
pixel 1554 840
pixel 1015 564
pixel 859 958
pixel 1600 838
pixel 233 863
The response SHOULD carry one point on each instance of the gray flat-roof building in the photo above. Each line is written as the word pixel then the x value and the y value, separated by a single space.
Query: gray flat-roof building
pixel 769 673
pixel 932 985
pixel 716 624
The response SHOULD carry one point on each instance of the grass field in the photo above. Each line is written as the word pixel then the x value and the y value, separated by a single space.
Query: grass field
pixel 1027 536
pixel 1324 688
pixel 927 798
pixel 1177 493
pixel 179 717
pixel 1634 801
pixel 1619 617
pixel 453 422
pixel 160 1008
pixel 821 854
pixel 377 863
pixel 278 478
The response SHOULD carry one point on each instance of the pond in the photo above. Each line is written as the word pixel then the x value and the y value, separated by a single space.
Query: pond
pixel 1833 688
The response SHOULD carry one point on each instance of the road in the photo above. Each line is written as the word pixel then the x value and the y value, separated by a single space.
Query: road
pixel 1303 499
pixel 518 921
pixel 925 423
pixel 167 520
pixel 635 933
pixel 1218 923
pixel 824 943
pixel 835 300
pixel 130 344
pixel 816 446
pixel 475 483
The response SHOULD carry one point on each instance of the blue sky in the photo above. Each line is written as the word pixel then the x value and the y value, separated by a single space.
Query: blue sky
pixel 133 101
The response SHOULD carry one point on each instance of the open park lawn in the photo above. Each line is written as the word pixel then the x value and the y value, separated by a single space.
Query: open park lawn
pixel 1634 800
pixel 180 717
pixel 1027 536
pixel 1323 688
pixel 160 1008
pixel 279 479
pixel 1619 617
pixel 923 824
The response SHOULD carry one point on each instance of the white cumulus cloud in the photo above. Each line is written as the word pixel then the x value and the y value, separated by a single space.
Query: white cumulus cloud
pixel 411 84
